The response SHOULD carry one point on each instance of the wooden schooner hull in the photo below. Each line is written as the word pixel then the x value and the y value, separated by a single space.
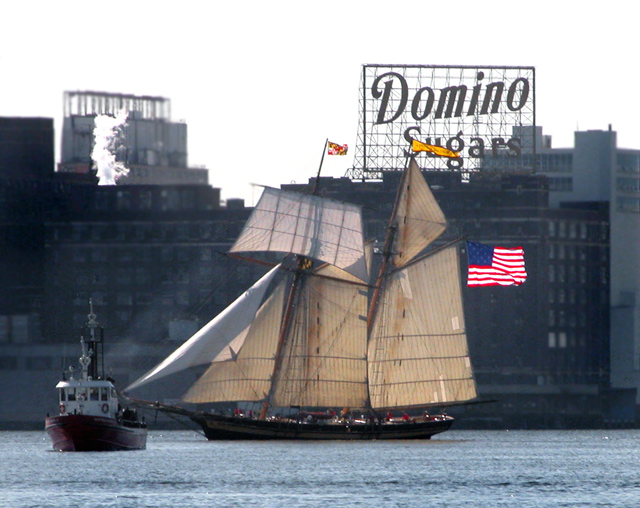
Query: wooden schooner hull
pixel 220 427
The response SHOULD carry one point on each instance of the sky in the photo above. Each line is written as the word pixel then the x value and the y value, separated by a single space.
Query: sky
pixel 262 85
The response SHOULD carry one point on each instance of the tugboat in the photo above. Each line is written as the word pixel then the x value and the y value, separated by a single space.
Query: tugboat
pixel 91 418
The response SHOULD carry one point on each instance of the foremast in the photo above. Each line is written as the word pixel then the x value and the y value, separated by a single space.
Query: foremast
pixel 302 262
pixel 304 265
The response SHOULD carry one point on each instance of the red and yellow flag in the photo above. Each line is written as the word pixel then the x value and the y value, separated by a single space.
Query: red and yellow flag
pixel 419 146
pixel 336 149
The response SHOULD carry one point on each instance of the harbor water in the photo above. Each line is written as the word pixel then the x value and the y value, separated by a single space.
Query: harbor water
pixel 490 469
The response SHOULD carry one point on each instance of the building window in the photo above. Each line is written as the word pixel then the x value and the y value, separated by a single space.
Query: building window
pixel 562 340
pixel 625 204
pixel 631 185
pixel 561 274
pixel 562 229
pixel 8 363
pixel 552 340
pixel 145 200
pixel 123 200
pixel 564 184
pixel 561 251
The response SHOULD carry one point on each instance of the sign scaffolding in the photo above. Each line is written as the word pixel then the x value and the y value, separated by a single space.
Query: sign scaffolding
pixel 487 114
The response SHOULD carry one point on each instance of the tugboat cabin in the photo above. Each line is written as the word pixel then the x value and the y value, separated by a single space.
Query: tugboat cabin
pixel 88 397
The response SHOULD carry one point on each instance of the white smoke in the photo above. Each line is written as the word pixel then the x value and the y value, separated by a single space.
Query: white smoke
pixel 107 132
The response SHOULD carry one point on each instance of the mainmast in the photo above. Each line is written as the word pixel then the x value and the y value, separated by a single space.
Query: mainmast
pixel 303 264
pixel 95 343
pixel 386 254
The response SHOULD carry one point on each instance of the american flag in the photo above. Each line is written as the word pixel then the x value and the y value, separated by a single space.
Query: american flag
pixel 495 266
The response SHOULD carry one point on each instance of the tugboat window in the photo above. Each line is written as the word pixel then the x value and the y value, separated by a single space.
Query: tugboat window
pixel 63 396
pixel 104 394
pixel 71 394
pixel 93 393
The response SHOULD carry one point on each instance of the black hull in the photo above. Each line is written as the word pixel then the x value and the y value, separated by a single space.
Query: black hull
pixel 219 427
pixel 83 433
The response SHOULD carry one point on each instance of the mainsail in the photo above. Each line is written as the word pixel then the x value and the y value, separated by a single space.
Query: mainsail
pixel 324 359
pixel 418 349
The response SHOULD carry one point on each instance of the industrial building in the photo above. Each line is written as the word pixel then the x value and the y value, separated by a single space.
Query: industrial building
pixel 559 351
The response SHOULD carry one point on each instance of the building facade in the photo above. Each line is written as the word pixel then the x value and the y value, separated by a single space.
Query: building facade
pixel 560 351
pixel 151 146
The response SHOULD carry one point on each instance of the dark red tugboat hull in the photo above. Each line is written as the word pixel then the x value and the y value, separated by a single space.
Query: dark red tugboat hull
pixel 82 433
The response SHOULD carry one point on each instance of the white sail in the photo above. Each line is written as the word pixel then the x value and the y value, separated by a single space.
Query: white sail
pixel 324 358
pixel 231 325
pixel 307 225
pixel 418 218
pixel 245 375
pixel 418 350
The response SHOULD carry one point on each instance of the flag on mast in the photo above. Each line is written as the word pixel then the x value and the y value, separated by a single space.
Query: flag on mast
pixel 336 149
pixel 495 266
pixel 419 146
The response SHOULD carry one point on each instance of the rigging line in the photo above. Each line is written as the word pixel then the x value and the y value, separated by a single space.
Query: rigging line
pixel 426 255
pixel 229 273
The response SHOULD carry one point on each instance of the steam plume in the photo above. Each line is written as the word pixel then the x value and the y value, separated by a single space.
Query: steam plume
pixel 107 133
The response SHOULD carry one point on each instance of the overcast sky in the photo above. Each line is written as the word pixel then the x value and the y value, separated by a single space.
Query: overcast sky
pixel 261 85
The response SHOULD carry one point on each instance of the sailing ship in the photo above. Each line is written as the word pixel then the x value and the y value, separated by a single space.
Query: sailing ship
pixel 318 350
pixel 91 418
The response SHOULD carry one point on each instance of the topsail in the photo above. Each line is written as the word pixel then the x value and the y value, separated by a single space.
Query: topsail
pixel 309 226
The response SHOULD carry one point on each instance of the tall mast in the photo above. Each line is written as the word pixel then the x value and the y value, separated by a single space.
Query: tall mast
pixel 386 254
pixel 317 182
pixel 303 263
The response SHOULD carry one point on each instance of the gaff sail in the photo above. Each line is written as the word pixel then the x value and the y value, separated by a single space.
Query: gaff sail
pixel 418 351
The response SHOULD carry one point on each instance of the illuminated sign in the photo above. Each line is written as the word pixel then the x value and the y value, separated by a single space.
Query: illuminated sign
pixel 487 114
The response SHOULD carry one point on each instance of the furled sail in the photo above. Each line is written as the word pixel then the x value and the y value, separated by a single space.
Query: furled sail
pixel 245 373
pixel 307 225
pixel 418 350
pixel 231 325
pixel 324 358
pixel 419 219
